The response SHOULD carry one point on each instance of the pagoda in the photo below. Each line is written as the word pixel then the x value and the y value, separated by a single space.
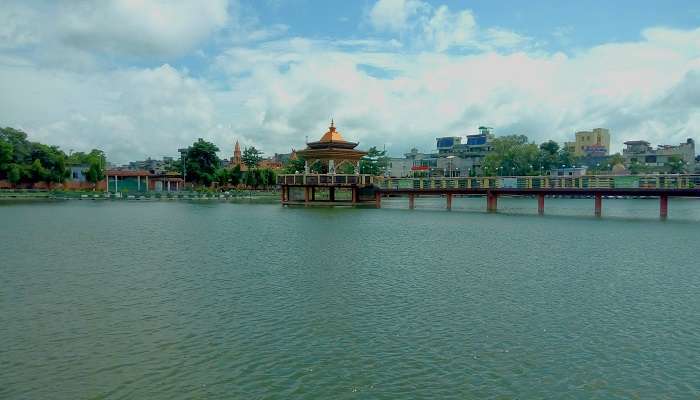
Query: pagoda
pixel 332 151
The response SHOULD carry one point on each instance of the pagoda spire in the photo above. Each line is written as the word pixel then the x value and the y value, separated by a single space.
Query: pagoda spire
pixel 236 159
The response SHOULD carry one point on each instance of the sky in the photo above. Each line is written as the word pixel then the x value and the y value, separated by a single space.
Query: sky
pixel 143 78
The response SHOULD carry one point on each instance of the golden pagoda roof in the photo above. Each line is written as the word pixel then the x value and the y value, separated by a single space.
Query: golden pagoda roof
pixel 332 135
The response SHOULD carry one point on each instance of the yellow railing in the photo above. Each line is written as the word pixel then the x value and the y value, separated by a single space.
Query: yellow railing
pixel 498 182
pixel 550 182
pixel 325 179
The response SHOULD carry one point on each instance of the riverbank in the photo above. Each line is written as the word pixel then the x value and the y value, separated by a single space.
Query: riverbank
pixel 90 195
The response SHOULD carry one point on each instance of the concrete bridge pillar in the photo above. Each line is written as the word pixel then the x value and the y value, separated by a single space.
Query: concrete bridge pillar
pixel 411 201
pixel 331 193
pixel 598 205
pixel 663 206
pixel 307 194
pixel 378 199
pixel 313 193
pixel 449 201
pixel 354 195
pixel 540 203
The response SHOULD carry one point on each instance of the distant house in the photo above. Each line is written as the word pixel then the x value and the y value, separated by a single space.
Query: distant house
pixel 143 181
pixel 569 172
pixel 77 172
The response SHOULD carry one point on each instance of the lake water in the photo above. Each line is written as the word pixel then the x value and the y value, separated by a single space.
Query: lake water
pixel 183 300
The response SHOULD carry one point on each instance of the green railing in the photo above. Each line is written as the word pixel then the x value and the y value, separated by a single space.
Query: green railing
pixel 536 182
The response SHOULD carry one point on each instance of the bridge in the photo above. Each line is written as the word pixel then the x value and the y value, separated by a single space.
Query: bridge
pixel 322 189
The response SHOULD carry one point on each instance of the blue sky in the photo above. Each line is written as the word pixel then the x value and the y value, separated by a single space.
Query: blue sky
pixel 142 78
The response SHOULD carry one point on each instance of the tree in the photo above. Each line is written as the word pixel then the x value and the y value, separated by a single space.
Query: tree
pixel 266 177
pixel 676 165
pixel 512 155
pixel 222 176
pixel 14 173
pixel 374 163
pixel 549 156
pixel 637 168
pixel 96 161
pixel 235 175
pixel 566 157
pixel 250 179
pixel 202 162
pixel 346 169
pixel 251 157
pixel 6 153
pixel 294 166
pixel 616 159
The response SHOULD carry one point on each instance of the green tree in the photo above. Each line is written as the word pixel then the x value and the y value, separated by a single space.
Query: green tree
pixel 549 156
pixel 347 169
pixel 374 163
pixel 637 168
pixel 6 153
pixel 222 176
pixel 14 173
pixel 96 161
pixel 52 163
pixel 235 175
pixel 512 155
pixel 251 179
pixel 616 159
pixel 251 157
pixel 675 165
pixel 202 162
pixel 37 172
pixel 294 166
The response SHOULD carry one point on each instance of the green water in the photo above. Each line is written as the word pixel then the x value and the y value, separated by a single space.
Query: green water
pixel 183 300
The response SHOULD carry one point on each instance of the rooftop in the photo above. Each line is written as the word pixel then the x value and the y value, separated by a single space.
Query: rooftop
pixel 332 135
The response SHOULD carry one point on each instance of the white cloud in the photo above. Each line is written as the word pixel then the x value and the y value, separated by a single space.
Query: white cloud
pixel 439 28
pixel 445 29
pixel 274 93
pixel 394 15
pixel 139 28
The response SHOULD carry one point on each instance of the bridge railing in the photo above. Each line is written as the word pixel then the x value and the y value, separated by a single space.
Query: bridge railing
pixel 325 180
pixel 550 182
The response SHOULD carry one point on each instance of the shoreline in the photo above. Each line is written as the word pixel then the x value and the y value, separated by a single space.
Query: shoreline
pixel 146 196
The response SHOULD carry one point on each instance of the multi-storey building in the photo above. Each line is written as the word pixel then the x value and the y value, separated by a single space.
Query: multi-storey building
pixel 641 152
pixel 594 143
pixel 452 158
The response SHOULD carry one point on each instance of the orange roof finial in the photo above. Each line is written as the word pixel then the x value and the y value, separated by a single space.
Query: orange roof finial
pixel 332 127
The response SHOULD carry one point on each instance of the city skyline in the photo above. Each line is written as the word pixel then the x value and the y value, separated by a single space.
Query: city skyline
pixel 132 78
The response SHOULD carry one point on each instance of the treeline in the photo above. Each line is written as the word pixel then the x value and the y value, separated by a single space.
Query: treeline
pixel 203 167
pixel 23 161
pixel 515 155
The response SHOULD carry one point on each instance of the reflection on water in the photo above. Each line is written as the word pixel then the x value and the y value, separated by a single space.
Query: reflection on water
pixel 219 300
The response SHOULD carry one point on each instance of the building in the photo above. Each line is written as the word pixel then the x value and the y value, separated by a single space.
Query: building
pixel 594 143
pixel 77 172
pixel 463 159
pixel 153 166
pixel 332 151
pixel 139 181
pixel 413 162
pixel 452 157
pixel 571 171
pixel 656 160
pixel 236 159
